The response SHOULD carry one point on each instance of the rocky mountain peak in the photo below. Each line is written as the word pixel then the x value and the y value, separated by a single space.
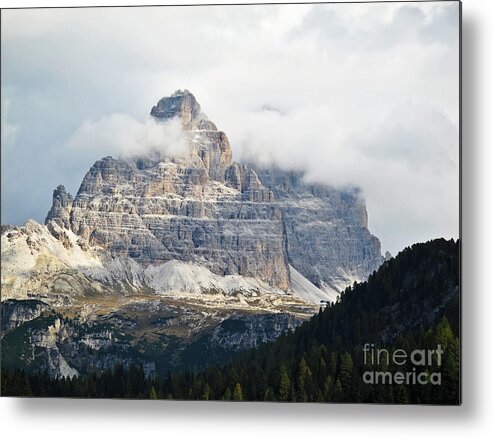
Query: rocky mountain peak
pixel 208 146
pixel 61 207
pixel 206 209
pixel 180 104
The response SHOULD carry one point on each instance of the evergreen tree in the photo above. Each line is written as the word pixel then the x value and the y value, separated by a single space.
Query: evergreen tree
pixel 304 376
pixel 284 384
pixel 152 393
pixel 238 392
pixel 207 392
pixel 227 394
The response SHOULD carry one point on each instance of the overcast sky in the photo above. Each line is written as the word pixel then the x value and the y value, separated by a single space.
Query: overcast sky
pixel 361 94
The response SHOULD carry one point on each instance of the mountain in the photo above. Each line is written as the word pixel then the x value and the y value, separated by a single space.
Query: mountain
pixel 157 253
pixel 409 306
pixel 204 208
pixel 200 207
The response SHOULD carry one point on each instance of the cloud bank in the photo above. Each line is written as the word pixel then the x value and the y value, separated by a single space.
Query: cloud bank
pixel 365 94
pixel 123 136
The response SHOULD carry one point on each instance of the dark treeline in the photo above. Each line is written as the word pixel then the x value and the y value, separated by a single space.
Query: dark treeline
pixel 410 303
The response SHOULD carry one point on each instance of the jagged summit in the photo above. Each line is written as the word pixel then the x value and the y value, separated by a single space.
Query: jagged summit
pixel 208 147
pixel 61 207
pixel 182 104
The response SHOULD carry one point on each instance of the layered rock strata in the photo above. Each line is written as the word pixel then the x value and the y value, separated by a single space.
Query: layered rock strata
pixel 204 208
pixel 326 229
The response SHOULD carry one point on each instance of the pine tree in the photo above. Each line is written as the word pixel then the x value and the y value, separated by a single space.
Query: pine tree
pixel 304 375
pixel 238 392
pixel 284 384
pixel 337 391
pixel 207 392
pixel 346 369
pixel 153 394
pixel 227 394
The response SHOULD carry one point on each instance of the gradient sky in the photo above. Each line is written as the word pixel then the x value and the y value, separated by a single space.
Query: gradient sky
pixel 356 94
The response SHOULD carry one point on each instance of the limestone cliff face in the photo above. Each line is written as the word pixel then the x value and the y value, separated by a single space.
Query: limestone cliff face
pixel 206 209
pixel 15 313
pixel 169 211
pixel 180 104
pixel 200 208
pixel 326 229
pixel 62 204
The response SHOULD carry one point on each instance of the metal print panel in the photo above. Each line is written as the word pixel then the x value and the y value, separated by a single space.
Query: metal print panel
pixel 238 203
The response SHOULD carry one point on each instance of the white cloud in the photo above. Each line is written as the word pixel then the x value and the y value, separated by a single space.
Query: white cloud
pixel 407 163
pixel 124 136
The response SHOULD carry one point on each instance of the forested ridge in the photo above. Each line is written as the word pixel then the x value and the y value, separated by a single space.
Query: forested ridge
pixel 410 303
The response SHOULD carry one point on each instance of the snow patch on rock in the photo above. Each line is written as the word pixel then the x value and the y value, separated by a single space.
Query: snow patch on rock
pixel 309 292
pixel 192 278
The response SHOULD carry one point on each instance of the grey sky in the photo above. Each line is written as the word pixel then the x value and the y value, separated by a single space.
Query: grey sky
pixel 362 94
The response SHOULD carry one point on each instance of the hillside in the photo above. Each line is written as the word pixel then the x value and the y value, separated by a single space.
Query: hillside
pixel 411 303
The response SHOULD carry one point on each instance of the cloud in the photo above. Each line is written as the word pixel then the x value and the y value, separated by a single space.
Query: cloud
pixel 381 26
pixel 406 164
pixel 363 93
pixel 414 135
pixel 124 136
pixel 9 130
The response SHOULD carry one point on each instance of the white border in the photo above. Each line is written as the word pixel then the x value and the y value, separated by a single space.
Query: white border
pixel 39 417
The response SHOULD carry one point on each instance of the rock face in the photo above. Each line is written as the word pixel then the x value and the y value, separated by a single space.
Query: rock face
pixel 246 331
pixel 181 104
pixel 200 208
pixel 15 313
pixel 154 334
pixel 169 211
pixel 206 141
pixel 206 209
pixel 62 205
pixel 326 230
